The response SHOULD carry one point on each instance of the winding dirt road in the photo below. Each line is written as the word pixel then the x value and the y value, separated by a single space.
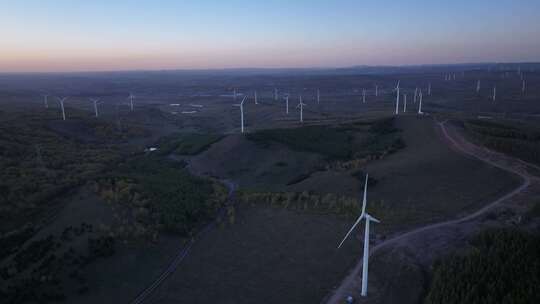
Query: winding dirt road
pixel 460 144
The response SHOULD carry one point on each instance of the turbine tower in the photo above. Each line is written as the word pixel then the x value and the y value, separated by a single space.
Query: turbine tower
pixel 429 89
pixel 131 97
pixel 415 94
pixel 287 104
pixel 256 98
pixel 494 93
pixel 368 219
pixel 301 106
pixel 364 95
pixel 523 87
pixel 95 101
pixel 478 86
pixel 397 98
pixel 376 90
pixel 275 94
pixel 318 96
pixel 404 102
pixel 241 105
pixel 420 103
pixel 61 100
pixel 46 100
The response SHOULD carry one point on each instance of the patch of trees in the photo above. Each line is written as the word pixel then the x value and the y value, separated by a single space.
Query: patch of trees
pixel 11 242
pixel 164 194
pixel 521 141
pixel 329 203
pixel 186 143
pixel 503 266
pixel 40 271
pixel 36 165
pixel 337 142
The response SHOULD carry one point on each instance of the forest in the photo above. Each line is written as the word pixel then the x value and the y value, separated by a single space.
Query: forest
pixel 501 266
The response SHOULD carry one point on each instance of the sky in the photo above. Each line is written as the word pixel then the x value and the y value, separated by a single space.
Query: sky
pixel 106 35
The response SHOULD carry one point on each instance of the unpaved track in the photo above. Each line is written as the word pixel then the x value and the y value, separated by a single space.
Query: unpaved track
pixel 460 144
pixel 183 252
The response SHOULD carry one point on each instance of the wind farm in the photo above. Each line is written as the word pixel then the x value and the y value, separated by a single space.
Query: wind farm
pixel 391 177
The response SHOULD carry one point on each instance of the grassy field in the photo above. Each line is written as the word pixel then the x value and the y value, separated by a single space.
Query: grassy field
pixel 269 255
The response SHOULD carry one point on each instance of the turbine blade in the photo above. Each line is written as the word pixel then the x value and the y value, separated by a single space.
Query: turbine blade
pixel 364 201
pixel 350 230
pixel 372 219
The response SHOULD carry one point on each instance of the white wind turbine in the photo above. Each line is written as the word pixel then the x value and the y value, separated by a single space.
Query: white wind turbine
pixel 494 93
pixel 404 102
pixel 256 98
pixel 478 86
pixel 523 87
pixel 275 94
pixel 429 89
pixel 301 106
pixel 415 94
pixel 364 95
pixel 62 100
pixel 95 102
pixel 241 105
pixel 376 90
pixel 368 219
pixel 131 97
pixel 397 98
pixel 46 100
pixel 318 96
pixel 420 103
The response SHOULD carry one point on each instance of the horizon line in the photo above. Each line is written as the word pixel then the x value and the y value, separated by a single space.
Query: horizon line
pixel 269 68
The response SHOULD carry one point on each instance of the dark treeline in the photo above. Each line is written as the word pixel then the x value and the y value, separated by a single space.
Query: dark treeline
pixel 503 266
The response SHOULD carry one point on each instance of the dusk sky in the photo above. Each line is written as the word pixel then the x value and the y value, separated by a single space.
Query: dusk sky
pixel 73 35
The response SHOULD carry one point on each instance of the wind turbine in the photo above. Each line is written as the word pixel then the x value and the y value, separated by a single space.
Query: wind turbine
pixel 95 101
pixel 429 89
pixel 478 86
pixel 420 103
pixel 368 219
pixel 287 104
pixel 241 105
pixel 376 90
pixel 301 106
pixel 404 102
pixel 46 100
pixel 131 97
pixel 364 95
pixel 275 94
pixel 61 100
pixel 234 94
pixel 415 94
pixel 523 87
pixel 397 98
pixel 256 98
pixel 494 93
pixel 318 96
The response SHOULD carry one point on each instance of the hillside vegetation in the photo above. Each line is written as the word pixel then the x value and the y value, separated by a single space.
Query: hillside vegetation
pixel 501 267
pixel 520 140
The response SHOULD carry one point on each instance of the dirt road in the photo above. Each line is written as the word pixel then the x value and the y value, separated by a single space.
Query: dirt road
pixel 460 144
pixel 183 252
